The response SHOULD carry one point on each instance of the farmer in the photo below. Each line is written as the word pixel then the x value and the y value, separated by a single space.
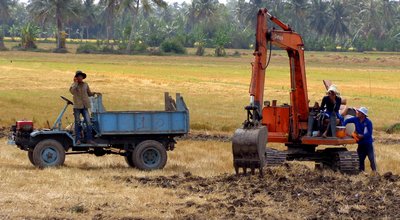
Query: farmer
pixel 363 135
pixel 330 106
pixel 81 92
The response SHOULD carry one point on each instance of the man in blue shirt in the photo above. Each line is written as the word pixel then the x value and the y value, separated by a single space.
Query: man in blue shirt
pixel 364 135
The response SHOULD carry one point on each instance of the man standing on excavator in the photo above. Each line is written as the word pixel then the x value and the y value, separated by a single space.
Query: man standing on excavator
pixel 363 136
pixel 81 92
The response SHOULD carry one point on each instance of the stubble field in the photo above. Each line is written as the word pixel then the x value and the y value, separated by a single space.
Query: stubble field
pixel 198 180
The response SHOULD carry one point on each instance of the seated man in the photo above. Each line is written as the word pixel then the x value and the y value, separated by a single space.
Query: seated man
pixel 330 106
pixel 81 92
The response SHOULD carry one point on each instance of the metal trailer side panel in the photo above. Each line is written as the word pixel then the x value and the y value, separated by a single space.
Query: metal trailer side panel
pixel 142 122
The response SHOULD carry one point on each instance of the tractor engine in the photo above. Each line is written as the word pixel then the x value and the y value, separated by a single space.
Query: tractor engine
pixel 21 133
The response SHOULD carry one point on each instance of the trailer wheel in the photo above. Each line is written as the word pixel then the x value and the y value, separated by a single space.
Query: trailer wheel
pixel 129 159
pixel 48 153
pixel 150 155
pixel 30 156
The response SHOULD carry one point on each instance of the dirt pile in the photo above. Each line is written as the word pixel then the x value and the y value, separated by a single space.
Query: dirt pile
pixel 289 191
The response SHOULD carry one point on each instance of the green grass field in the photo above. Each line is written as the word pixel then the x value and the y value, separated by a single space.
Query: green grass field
pixel 215 89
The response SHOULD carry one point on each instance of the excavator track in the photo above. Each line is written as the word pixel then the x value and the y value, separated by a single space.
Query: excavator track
pixel 274 157
pixel 347 162
pixel 340 159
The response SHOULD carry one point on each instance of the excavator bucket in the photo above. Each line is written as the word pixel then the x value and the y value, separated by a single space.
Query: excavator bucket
pixel 249 149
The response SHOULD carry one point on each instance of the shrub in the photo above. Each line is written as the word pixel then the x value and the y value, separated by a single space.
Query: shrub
pixel 220 52
pixel 155 51
pixel 87 48
pixel 200 51
pixel 236 54
pixel 107 49
pixel 140 47
pixel 200 48
pixel 60 50
pixel 173 46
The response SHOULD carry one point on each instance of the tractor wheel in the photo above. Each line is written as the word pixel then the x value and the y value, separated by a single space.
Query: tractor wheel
pixel 48 153
pixel 150 155
pixel 129 159
pixel 30 156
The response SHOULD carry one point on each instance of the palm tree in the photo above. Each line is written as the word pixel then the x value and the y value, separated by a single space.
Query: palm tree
pixel 388 13
pixel 88 15
pixel 319 15
pixel 297 11
pixel 250 10
pixel 371 24
pixel 337 26
pixel 133 6
pixel 110 9
pixel 204 9
pixel 5 7
pixel 43 10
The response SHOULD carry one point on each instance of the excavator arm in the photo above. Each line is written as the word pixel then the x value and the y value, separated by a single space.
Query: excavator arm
pixel 292 42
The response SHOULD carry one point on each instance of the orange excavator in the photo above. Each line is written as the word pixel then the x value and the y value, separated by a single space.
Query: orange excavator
pixel 288 124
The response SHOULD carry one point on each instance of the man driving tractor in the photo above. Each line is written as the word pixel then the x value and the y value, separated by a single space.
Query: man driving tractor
pixel 81 92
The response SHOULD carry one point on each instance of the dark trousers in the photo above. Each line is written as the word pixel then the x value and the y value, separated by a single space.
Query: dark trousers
pixel 78 129
pixel 366 150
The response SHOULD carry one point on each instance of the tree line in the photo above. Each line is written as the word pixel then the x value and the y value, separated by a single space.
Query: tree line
pixel 137 25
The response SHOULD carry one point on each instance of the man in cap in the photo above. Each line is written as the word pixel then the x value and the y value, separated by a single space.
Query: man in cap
pixel 81 92
pixel 363 135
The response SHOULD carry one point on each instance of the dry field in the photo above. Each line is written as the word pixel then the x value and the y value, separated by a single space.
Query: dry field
pixel 197 183
pixel 198 180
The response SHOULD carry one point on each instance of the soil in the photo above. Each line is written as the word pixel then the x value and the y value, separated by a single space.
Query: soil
pixel 3 132
pixel 380 137
pixel 295 189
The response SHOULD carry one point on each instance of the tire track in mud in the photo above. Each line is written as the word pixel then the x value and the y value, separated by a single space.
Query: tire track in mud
pixel 292 189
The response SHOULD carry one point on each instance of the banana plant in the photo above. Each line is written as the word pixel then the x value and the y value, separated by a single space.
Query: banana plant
pixel 29 33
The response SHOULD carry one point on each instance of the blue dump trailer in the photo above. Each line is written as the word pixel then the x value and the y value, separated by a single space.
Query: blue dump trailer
pixel 142 137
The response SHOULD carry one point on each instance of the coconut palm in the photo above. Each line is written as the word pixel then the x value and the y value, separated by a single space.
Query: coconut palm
pixel 388 13
pixel 133 6
pixel 5 7
pixel 44 10
pixel 337 26
pixel 109 11
pixel 204 9
pixel 371 24
pixel 88 16
pixel 319 15
pixel 250 9
pixel 297 11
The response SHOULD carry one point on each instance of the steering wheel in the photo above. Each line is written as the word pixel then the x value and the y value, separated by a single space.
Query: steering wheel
pixel 69 102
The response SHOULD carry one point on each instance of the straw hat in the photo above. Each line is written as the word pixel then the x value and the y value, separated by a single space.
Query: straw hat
pixel 363 110
pixel 333 88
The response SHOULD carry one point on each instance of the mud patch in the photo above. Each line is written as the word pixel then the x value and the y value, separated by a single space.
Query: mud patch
pixel 291 189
